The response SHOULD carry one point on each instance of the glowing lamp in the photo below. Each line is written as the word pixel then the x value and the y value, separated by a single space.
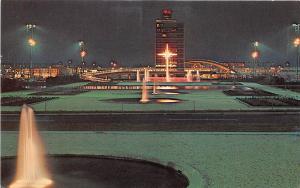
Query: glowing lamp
pixel 31 42
pixel 83 53
pixel 255 54
pixel 297 42
pixel 80 43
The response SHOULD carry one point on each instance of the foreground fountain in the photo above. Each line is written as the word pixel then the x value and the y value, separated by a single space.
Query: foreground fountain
pixel 31 167
pixel 78 171
pixel 145 98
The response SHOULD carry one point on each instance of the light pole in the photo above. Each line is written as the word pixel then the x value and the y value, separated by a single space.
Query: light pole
pixel 255 55
pixel 83 52
pixel 31 41
pixel 297 44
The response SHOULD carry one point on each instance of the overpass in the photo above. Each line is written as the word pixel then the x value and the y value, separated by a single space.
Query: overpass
pixel 208 67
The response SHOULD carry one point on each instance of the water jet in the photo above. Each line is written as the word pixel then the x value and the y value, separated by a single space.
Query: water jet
pixel 31 171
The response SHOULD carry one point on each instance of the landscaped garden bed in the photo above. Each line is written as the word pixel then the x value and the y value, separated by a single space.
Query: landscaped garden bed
pixel 294 87
pixel 247 91
pixel 61 91
pixel 271 101
pixel 19 101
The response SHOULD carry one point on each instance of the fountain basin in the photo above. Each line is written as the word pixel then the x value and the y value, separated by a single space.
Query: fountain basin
pixel 78 171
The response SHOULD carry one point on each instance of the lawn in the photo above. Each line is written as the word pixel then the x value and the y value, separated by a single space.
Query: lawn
pixel 95 100
pixel 228 160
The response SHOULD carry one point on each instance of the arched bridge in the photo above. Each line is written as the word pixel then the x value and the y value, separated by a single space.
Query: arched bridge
pixel 207 64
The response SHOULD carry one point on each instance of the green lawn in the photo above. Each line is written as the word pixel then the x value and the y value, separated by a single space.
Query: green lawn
pixel 193 100
pixel 228 160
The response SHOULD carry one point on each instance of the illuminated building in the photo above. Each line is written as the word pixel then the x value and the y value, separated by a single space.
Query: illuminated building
pixel 36 72
pixel 171 32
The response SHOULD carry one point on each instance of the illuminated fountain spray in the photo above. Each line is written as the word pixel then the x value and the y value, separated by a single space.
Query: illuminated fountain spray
pixel 145 97
pixel 189 76
pixel 146 75
pixel 138 78
pixel 154 89
pixel 31 166
pixel 167 55
pixel 198 76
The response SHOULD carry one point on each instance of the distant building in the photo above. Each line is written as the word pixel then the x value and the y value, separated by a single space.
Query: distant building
pixel 171 32
pixel 43 73
pixel 234 64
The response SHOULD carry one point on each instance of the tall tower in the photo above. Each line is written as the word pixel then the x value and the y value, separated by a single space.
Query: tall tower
pixel 171 32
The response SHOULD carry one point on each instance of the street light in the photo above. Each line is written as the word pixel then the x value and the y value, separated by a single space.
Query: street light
pixel 30 26
pixel 296 26
pixel 255 56
pixel 81 43
pixel 297 44
pixel 82 54
pixel 31 42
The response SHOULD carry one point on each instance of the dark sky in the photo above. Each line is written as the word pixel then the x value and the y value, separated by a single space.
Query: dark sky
pixel 125 31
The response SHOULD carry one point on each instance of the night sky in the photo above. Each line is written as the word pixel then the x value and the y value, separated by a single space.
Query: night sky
pixel 125 31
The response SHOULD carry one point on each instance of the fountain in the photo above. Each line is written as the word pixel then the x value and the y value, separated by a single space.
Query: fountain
pixel 146 76
pixel 198 76
pixel 167 55
pixel 144 98
pixel 31 167
pixel 189 76
pixel 138 78
pixel 77 171
pixel 154 89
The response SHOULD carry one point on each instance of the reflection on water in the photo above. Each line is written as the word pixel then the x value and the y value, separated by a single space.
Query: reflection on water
pixel 167 87
pixel 167 100
pixel 170 93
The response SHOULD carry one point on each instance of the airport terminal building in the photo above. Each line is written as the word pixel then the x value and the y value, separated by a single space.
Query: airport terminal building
pixel 171 32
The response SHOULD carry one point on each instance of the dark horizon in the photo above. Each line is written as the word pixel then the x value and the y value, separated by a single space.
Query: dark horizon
pixel 125 31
